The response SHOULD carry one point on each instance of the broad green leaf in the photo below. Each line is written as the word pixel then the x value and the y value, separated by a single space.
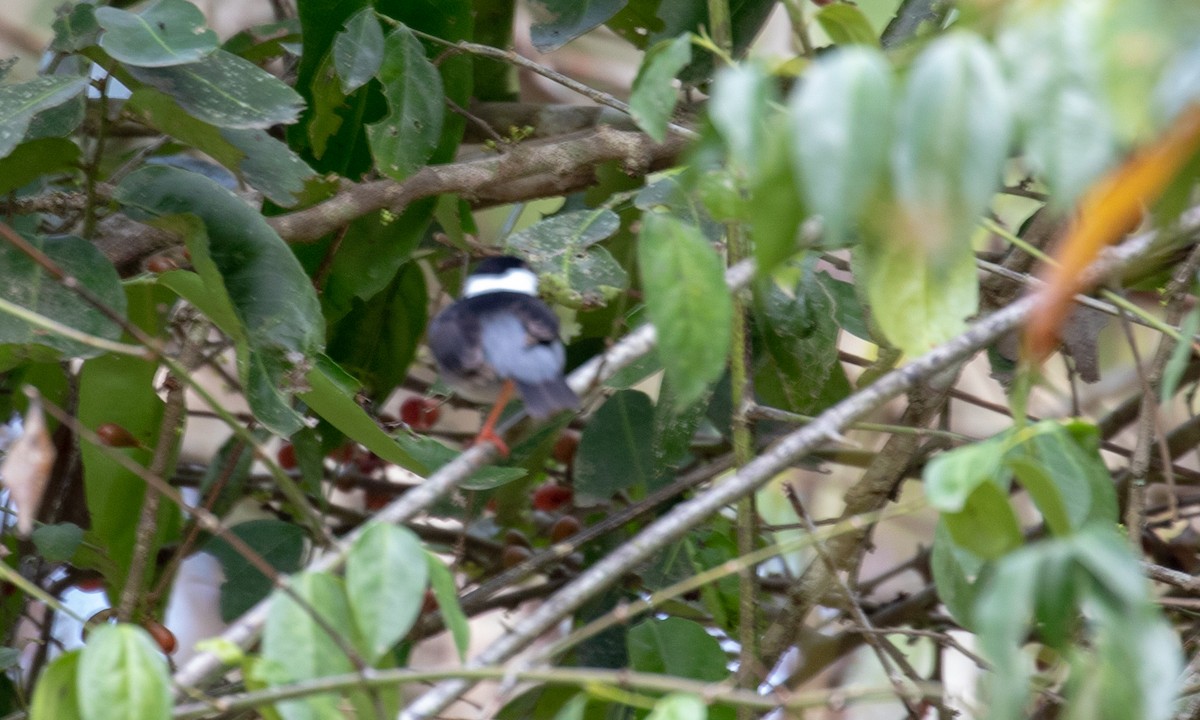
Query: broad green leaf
pixel 679 706
pixel 75 30
pixel 1047 495
pixel 773 208
pixel 688 302
pixel 226 91
pixel 386 578
pixel 260 160
pixel 377 339
pixel 958 575
pixel 952 141
pixel 654 96
pixel 358 50
pixel 122 675
pixel 674 646
pixel 615 451
pixel 35 159
pixel 558 22
pixel 119 389
pixel 1069 452
pixel 1065 125
pixel 738 110
pixel 841 130
pixel 563 251
pixel 295 649
pixel 950 477
pixel 26 284
pixel 57 543
pixel 920 296
pixel 847 25
pixel 21 102
pixel 54 696
pixel 279 543
pixel 165 32
pixel 1003 615
pixel 987 524
pixel 441 582
pixel 404 140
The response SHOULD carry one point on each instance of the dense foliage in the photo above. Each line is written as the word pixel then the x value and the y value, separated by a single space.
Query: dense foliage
pixel 750 255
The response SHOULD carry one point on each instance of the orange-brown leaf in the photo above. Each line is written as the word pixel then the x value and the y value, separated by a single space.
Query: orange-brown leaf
pixel 27 465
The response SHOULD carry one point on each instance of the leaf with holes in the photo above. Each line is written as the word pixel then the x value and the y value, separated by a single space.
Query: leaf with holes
pixel 405 139
pixel 358 50
pixel 563 251
pixel 163 33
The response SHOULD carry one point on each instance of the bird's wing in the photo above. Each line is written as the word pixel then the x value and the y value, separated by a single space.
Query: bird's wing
pixel 453 338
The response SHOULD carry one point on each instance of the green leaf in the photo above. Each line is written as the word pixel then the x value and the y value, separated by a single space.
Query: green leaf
pixel 841 126
pixel 773 207
pixel 674 646
pixel 920 296
pixel 688 302
pixel 558 22
pixel 847 25
pixel 958 575
pixel 679 706
pixel 446 594
pixel 563 251
pixel 615 451
pixel 57 543
pixel 385 584
pixel 75 30
pixel 122 676
pixel 260 160
pixel 25 283
pixel 654 96
pixel 165 32
pixel 35 159
pixel 296 649
pixel 952 142
pixel 374 249
pixel 358 50
pixel 226 91
pixel 1068 452
pixel 987 524
pixel 54 696
pixel 738 108
pixel 280 544
pixel 120 389
pixel 20 102
pixel 405 139
pixel 950 477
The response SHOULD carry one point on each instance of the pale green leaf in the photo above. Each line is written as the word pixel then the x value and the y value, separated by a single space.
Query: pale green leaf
pixel 654 94
pixel 20 102
pixel 122 676
pixel 386 578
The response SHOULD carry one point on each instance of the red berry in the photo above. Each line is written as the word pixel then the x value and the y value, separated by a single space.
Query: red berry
pixel 551 497
pixel 514 555
pixel 114 435
pixel 287 456
pixel 163 636
pixel 369 463
pixel 565 447
pixel 419 413
pixel 565 527
pixel 516 537
pixel 429 604
pixel 377 499
pixel 343 453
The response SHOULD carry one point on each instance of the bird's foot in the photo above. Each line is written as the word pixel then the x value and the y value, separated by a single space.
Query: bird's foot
pixel 488 435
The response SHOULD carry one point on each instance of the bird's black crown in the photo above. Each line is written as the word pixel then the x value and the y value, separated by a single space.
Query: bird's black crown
pixel 499 265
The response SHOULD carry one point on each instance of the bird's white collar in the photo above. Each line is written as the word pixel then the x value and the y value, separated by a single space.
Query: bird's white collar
pixel 518 280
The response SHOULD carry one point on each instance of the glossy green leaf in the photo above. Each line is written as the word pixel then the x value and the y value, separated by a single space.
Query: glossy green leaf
pixel 374 248
pixel 1064 123
pixel 386 576
pixel 654 95
pixel 260 160
pixel 280 544
pixel 688 302
pixel 615 451
pixel 841 130
pixel 441 582
pixel 558 22
pixel 405 139
pixel 226 91
pixel 674 646
pixel 679 706
pixel 21 102
pixel 295 649
pixel 35 159
pixel 163 33
pixel 738 109
pixel 951 144
pixel 75 30
pixel 54 696
pixel 920 296
pixel 563 251
pixel 846 24
pixel 26 284
pixel 57 543
pixel 358 50
pixel 122 676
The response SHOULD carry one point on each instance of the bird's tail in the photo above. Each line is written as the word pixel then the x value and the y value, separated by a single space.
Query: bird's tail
pixel 545 399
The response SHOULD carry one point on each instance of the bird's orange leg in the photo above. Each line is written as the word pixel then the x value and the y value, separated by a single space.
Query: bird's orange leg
pixel 488 432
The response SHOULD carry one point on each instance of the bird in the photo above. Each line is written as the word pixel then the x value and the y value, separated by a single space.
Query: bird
pixel 500 336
